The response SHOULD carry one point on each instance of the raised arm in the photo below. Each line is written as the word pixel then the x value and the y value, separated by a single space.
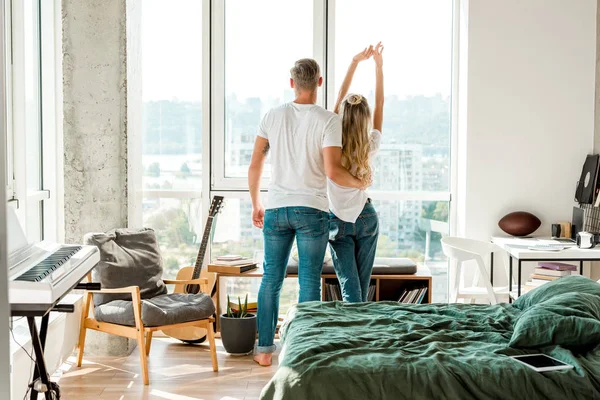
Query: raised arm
pixel 257 163
pixel 363 55
pixel 378 109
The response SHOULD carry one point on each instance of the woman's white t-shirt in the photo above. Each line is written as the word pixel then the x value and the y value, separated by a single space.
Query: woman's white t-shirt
pixel 347 203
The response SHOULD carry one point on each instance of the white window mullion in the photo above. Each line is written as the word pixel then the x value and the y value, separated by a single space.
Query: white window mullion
pixel 217 114
pixel 329 35
pixel 8 99
pixel 320 46
pixel 51 100
pixel 18 117
pixel 207 165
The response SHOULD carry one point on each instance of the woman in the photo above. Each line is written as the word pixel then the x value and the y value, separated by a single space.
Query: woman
pixel 353 222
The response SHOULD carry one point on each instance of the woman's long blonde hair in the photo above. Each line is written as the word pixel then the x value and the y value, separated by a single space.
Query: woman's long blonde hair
pixel 356 120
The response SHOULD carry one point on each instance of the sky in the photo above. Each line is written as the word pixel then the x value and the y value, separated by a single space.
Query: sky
pixel 265 37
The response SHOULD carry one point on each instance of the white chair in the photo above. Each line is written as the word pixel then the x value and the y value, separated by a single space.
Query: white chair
pixel 459 250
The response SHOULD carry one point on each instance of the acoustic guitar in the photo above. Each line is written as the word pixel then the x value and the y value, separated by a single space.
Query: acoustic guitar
pixel 193 334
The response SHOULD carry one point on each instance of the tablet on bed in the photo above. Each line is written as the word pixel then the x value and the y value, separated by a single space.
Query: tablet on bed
pixel 541 362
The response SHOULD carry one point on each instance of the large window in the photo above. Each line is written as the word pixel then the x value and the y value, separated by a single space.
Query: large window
pixel 219 66
pixel 417 64
pixel 31 113
pixel 172 66
pixel 411 177
pixel 258 49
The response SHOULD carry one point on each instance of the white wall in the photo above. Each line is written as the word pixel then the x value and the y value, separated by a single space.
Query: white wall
pixel 529 99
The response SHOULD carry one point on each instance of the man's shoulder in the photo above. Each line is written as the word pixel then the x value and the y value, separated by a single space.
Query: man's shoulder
pixel 325 114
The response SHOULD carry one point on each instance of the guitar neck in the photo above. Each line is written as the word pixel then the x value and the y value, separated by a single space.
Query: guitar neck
pixel 203 246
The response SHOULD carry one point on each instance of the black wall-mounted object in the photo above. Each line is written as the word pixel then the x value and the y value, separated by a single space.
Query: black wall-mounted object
pixel 586 187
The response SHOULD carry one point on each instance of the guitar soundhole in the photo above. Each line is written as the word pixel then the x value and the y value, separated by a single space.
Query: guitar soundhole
pixel 192 289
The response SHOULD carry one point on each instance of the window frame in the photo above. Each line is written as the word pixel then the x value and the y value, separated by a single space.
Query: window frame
pixel 214 180
pixel 220 181
pixel 48 111
pixel 8 100
pixel 324 53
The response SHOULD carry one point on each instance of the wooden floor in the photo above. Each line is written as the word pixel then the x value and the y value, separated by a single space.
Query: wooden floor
pixel 177 372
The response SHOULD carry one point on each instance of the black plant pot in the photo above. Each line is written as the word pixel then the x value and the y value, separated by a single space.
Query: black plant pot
pixel 238 334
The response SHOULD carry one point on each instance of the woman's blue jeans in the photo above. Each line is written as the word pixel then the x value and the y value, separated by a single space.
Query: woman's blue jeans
pixel 310 227
pixel 353 248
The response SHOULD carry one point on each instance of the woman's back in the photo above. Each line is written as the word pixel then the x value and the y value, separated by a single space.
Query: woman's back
pixel 347 203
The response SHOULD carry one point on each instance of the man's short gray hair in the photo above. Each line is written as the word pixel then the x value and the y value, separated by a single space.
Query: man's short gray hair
pixel 306 74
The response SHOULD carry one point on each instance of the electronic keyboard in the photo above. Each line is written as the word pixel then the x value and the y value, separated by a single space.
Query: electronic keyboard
pixel 43 273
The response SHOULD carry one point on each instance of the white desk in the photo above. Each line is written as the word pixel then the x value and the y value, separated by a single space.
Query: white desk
pixel 522 253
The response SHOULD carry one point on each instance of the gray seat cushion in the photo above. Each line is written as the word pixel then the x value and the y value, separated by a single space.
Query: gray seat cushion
pixel 166 309
pixel 382 266
pixel 394 266
pixel 128 257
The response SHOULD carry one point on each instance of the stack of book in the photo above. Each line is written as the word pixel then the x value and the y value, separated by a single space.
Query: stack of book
pixel 547 272
pixel 333 292
pixel 371 294
pixel 413 296
pixel 235 306
pixel 232 264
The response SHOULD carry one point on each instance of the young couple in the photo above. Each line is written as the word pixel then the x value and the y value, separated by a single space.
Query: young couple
pixel 315 152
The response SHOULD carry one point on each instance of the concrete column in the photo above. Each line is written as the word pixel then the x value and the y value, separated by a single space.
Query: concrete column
pixel 95 128
pixel 95 111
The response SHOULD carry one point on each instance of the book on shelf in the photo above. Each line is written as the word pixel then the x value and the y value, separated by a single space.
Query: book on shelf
pixel 545 277
pixel 422 296
pixel 551 272
pixel 231 269
pixel 234 305
pixel 537 282
pixel 229 257
pixel 557 266
pixel 231 263
pixel 371 293
pixel 413 296
pixel 333 292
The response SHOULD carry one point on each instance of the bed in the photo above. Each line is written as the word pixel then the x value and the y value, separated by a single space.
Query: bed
pixel 387 350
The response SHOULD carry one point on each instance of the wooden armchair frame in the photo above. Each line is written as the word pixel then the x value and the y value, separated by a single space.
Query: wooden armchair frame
pixel 142 334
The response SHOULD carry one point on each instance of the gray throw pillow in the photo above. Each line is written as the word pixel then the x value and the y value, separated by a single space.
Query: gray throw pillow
pixel 128 257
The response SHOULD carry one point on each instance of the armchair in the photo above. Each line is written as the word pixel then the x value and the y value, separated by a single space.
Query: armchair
pixel 141 306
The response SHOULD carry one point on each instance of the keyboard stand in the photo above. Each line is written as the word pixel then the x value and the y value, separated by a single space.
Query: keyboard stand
pixel 41 379
pixel 50 389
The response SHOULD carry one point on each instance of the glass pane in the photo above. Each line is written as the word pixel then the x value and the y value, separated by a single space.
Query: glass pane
pixel 34 221
pixel 235 234
pixel 172 94
pixel 261 46
pixel 417 35
pixel 414 229
pixel 179 226
pixel 33 133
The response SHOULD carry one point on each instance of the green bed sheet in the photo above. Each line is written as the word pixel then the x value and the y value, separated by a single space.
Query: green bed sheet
pixel 387 350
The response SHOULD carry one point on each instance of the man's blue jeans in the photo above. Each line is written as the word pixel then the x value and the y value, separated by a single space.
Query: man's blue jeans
pixel 353 251
pixel 310 227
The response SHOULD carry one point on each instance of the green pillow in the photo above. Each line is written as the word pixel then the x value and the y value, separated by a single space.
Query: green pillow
pixel 568 320
pixel 568 284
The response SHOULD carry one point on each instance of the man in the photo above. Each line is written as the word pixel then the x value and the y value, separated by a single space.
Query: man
pixel 305 142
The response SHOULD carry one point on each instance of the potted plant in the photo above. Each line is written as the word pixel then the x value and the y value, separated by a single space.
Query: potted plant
pixel 238 328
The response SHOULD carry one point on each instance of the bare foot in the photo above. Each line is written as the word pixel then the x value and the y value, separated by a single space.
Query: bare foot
pixel 263 359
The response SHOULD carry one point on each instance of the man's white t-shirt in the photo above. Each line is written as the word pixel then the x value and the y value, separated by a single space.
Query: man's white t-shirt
pixel 297 134
pixel 348 203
